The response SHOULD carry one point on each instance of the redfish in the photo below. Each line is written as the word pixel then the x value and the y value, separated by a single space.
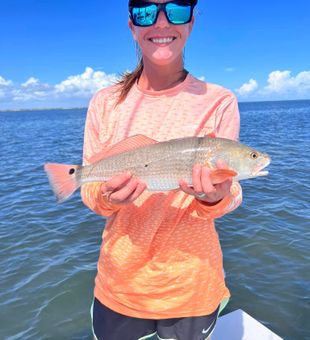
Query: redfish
pixel 160 164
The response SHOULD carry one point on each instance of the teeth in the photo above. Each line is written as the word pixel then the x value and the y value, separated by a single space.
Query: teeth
pixel 161 40
pixel 262 173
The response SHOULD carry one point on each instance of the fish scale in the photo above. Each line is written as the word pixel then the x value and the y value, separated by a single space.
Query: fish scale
pixel 161 165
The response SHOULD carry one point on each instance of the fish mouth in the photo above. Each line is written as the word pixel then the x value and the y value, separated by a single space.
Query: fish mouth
pixel 259 170
pixel 261 173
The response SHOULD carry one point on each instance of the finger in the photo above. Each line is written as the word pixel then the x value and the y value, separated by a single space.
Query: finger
pixel 186 188
pixel 103 189
pixel 206 183
pixel 196 175
pixel 117 181
pixel 124 192
pixel 139 190
pixel 224 187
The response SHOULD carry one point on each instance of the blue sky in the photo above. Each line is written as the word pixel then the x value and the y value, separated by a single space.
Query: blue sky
pixel 58 53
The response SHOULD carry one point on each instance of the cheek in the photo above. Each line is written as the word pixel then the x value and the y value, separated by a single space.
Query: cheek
pixel 184 32
pixel 138 33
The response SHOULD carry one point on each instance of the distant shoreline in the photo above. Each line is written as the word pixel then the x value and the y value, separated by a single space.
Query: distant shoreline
pixel 85 108
pixel 45 109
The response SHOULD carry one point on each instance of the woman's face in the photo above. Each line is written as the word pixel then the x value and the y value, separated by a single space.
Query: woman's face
pixel 161 43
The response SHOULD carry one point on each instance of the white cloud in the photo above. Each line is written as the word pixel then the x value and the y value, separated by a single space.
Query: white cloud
pixel 248 87
pixel 32 89
pixel 4 82
pixel 282 82
pixel 6 87
pixel 85 84
pixel 74 91
pixel 229 69
pixel 31 82
pixel 280 85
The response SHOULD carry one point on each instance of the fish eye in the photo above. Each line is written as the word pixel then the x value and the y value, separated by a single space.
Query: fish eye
pixel 253 155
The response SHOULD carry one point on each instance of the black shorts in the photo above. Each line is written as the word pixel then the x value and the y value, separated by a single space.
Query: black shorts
pixel 109 325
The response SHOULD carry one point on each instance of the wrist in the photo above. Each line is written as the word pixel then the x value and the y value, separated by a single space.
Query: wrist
pixel 207 200
pixel 209 204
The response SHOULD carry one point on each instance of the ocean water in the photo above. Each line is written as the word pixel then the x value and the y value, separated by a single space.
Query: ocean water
pixel 48 252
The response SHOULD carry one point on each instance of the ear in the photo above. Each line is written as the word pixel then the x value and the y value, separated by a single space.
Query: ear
pixel 132 28
pixel 191 24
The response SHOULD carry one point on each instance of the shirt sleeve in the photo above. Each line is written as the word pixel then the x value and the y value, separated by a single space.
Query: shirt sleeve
pixel 90 192
pixel 227 126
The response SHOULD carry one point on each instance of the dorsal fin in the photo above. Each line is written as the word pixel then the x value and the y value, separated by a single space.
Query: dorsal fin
pixel 125 145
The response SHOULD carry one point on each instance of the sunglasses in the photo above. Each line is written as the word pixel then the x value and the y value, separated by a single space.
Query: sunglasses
pixel 146 13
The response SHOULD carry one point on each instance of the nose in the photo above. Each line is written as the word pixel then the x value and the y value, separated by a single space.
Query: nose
pixel 162 21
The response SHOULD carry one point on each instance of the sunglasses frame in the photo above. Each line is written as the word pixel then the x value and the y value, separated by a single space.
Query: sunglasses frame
pixel 160 7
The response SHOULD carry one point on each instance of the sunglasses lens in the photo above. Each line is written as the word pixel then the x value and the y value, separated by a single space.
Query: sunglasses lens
pixel 179 14
pixel 144 16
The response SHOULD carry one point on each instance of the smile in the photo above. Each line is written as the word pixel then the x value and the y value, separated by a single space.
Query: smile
pixel 166 40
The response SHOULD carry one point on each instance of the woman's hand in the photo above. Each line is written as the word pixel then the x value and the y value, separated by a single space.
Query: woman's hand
pixel 122 189
pixel 202 187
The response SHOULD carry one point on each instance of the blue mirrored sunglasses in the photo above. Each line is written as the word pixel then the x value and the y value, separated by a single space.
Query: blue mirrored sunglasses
pixel 146 13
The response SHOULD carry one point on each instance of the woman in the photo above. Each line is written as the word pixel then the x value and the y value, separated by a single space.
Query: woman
pixel 160 268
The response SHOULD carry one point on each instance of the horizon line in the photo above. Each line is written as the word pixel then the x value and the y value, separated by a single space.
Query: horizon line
pixel 86 107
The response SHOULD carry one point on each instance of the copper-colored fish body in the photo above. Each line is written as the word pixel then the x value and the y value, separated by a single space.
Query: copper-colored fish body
pixel 161 165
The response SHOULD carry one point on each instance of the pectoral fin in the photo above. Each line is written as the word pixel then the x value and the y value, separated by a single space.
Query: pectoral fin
pixel 221 175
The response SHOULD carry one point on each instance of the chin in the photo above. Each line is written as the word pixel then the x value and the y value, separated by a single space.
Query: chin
pixel 163 60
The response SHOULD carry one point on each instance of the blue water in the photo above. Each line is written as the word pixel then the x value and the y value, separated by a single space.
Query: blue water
pixel 48 252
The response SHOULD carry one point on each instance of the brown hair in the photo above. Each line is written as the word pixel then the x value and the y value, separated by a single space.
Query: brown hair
pixel 128 80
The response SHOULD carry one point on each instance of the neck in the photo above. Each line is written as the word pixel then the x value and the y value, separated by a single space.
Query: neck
pixel 161 77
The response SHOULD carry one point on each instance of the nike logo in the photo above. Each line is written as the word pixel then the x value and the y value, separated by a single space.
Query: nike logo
pixel 205 331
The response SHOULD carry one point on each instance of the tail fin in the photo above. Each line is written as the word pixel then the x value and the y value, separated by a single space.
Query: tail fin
pixel 64 179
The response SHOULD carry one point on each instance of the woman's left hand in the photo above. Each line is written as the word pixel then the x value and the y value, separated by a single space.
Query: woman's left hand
pixel 202 187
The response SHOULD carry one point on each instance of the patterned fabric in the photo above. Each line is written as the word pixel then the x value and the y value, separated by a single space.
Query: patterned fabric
pixel 160 256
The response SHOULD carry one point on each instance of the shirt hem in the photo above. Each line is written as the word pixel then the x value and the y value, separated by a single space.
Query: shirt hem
pixel 124 310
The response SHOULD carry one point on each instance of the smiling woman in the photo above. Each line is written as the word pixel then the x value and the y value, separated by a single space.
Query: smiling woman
pixel 160 268
pixel 143 14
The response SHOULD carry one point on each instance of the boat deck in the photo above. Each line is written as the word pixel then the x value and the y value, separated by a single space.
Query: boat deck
pixel 239 325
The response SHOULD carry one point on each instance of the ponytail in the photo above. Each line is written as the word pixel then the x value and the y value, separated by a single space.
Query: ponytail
pixel 128 80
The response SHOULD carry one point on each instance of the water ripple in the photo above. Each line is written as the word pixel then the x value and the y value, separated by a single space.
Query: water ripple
pixel 49 252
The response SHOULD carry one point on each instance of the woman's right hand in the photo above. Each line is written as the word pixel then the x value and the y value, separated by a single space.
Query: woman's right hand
pixel 122 189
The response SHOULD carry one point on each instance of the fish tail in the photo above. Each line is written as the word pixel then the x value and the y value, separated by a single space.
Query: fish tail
pixel 64 179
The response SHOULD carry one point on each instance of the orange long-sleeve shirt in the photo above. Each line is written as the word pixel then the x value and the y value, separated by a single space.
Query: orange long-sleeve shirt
pixel 160 255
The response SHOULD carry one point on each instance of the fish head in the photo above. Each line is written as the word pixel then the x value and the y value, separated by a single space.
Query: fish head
pixel 250 163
